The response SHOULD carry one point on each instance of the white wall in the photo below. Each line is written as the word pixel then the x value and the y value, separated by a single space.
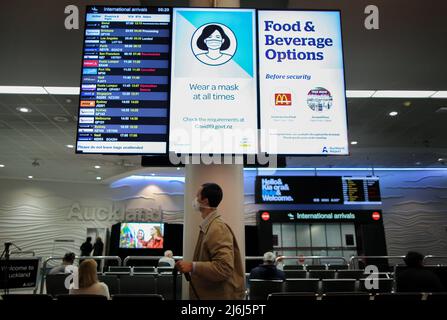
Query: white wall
pixel 34 213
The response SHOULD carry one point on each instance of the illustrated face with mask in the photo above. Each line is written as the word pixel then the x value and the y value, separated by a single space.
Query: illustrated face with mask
pixel 214 41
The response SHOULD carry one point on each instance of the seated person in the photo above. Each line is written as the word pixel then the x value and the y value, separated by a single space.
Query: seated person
pixel 267 270
pixel 88 280
pixel 416 278
pixel 66 266
pixel 167 260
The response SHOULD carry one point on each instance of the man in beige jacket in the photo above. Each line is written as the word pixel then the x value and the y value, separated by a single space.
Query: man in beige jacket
pixel 216 270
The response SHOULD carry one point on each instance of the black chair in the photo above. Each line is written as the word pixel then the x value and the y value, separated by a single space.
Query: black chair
pixel 380 275
pixel 384 285
pixel 164 269
pixel 75 298
pixel 165 283
pixel 316 267
pixel 439 271
pixel 116 273
pixel 144 270
pixel 295 274
pixel 25 298
pixel 322 274
pixel 164 264
pixel 301 285
pixel 138 284
pixel 120 269
pixel 350 274
pixel 346 297
pixel 294 296
pixel 294 267
pixel 55 284
pixel 437 297
pixel 112 283
pixel 401 296
pixel 338 285
pixel 137 298
pixel 260 289
pixel 337 267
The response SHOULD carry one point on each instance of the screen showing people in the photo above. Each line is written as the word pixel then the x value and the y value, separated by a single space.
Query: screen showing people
pixel 134 235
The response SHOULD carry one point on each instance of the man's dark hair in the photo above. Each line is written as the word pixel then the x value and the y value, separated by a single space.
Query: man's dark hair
pixel 207 31
pixel 89 239
pixel 69 257
pixel 212 192
pixel 414 259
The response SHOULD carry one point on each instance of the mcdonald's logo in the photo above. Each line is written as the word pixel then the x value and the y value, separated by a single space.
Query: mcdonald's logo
pixel 283 99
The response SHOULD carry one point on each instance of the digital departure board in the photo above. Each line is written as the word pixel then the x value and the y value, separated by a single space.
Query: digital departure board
pixel 317 190
pixel 361 190
pixel 124 97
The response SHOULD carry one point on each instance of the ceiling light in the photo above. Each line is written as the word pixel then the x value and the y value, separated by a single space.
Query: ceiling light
pixel 22 90
pixel 98 178
pixel 354 142
pixel 97 167
pixel 62 90
pixel 69 146
pixel 407 104
pixel 60 119
pixel 439 94
pixel 23 109
pixel 178 168
pixel 2 165
pixel 441 159
pixel 152 174
pixel 418 163
pixel 393 113
pixel 30 177
pixel 359 93
pixel 402 94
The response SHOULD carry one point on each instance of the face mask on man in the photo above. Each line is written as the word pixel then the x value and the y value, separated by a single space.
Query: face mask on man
pixel 196 205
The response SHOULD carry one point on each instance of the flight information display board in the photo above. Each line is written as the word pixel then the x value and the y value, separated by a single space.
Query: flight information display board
pixel 124 98
pixel 317 190
pixel 361 190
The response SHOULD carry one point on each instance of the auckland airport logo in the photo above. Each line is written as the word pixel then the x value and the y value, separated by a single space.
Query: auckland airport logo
pixel 213 44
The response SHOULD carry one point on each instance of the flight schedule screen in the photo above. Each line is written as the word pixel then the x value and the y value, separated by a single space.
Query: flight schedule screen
pixel 361 190
pixel 124 96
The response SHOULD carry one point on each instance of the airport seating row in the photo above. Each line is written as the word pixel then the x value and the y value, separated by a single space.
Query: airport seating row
pixel 332 274
pixel 353 297
pixel 316 267
pixel 260 289
pixel 283 296
pixel 123 284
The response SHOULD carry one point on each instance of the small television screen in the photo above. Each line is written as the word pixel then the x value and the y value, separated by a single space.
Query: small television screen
pixel 141 235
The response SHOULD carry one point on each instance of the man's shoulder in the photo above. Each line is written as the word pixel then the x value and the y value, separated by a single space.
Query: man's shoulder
pixel 217 224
